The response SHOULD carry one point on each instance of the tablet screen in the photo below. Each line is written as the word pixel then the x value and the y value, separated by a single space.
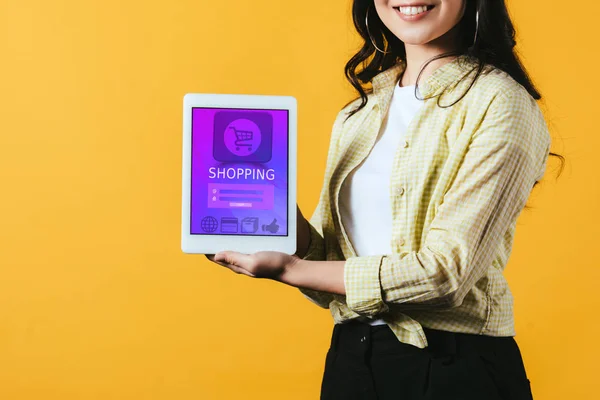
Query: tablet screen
pixel 239 172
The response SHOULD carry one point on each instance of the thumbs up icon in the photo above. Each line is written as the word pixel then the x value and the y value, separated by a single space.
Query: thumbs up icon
pixel 272 227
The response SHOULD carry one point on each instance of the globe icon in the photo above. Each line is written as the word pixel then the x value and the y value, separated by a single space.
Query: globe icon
pixel 209 224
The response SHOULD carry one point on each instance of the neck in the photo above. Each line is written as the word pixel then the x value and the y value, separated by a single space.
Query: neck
pixel 418 55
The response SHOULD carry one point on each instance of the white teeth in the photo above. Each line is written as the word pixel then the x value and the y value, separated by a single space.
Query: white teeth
pixel 412 10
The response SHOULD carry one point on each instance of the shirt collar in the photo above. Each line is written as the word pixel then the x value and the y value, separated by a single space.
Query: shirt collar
pixel 385 82
pixel 435 82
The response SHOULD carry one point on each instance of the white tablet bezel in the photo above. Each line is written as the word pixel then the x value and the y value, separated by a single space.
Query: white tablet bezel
pixel 210 244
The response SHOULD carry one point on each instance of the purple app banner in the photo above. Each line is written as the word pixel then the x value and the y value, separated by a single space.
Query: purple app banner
pixel 239 172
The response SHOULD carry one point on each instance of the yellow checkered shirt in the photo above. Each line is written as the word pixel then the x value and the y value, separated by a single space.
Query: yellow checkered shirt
pixel 456 192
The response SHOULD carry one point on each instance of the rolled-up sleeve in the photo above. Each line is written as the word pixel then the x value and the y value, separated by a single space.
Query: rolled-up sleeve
pixel 491 187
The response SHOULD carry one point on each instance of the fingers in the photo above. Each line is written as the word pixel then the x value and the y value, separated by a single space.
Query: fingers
pixel 235 268
pixel 239 270
pixel 232 257
pixel 237 262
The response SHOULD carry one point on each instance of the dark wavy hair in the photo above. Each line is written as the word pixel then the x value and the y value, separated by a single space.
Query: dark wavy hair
pixel 494 46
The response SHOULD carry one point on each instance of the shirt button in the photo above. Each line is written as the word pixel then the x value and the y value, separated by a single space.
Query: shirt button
pixel 400 191
pixel 405 144
pixel 401 241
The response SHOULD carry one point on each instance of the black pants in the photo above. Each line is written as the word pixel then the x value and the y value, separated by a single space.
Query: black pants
pixel 369 362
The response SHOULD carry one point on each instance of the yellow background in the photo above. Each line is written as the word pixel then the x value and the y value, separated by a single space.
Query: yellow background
pixel 97 301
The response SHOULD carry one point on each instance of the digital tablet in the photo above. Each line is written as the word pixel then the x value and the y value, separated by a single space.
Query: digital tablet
pixel 239 173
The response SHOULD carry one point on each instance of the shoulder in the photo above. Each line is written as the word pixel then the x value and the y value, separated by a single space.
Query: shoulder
pixel 345 115
pixel 511 112
pixel 497 89
pixel 352 105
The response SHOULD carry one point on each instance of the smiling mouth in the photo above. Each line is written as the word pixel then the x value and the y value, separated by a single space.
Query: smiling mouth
pixel 410 11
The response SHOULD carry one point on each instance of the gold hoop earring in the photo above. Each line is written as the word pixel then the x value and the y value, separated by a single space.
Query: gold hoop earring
pixel 369 33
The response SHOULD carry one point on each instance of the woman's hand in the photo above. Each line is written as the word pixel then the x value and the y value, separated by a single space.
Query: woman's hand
pixel 325 276
pixel 262 264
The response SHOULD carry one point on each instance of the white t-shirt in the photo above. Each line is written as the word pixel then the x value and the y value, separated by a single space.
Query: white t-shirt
pixel 365 195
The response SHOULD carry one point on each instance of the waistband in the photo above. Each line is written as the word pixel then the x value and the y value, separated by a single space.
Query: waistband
pixel 355 335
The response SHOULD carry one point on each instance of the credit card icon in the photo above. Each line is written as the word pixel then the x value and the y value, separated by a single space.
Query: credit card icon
pixel 229 225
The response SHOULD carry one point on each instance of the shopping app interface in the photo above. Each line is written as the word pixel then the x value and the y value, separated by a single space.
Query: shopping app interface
pixel 239 172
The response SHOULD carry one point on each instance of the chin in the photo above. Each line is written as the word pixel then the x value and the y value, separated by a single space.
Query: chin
pixel 417 40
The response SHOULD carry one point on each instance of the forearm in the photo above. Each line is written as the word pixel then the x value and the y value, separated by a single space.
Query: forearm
pixel 323 276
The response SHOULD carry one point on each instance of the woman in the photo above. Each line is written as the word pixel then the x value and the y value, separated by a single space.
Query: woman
pixel 426 175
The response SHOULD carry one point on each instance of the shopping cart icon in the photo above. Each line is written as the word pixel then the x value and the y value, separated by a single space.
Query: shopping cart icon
pixel 243 136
